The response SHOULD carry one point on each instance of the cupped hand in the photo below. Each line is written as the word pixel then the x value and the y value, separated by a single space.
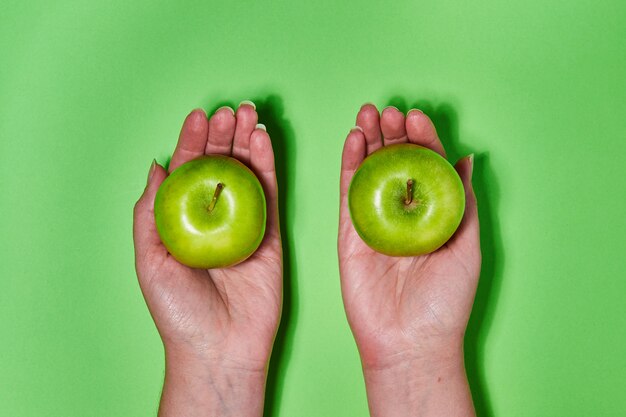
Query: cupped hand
pixel 401 309
pixel 227 316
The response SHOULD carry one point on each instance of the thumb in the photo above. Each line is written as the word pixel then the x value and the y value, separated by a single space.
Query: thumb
pixel 144 228
pixel 354 152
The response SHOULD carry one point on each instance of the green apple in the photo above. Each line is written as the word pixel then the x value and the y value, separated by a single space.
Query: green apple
pixel 406 200
pixel 210 212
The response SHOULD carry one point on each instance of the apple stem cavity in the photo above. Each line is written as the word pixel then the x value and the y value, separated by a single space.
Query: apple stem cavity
pixel 409 192
pixel 218 190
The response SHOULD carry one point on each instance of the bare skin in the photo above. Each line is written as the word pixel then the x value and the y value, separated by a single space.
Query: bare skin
pixel 408 315
pixel 218 326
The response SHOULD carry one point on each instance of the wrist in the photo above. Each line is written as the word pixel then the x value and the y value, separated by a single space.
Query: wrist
pixel 427 355
pixel 415 367
pixel 214 368
pixel 211 385
pixel 421 383
pixel 184 358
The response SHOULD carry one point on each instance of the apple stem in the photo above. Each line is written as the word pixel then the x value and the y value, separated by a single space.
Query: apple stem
pixel 409 192
pixel 218 190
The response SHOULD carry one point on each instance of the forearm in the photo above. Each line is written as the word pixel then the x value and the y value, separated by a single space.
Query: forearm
pixel 194 389
pixel 420 387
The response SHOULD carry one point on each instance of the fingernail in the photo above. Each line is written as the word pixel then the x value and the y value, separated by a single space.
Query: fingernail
pixel 151 172
pixel 391 107
pixel 471 161
pixel 261 126
pixel 355 128
pixel 369 103
pixel 226 107
pixel 412 110
pixel 249 103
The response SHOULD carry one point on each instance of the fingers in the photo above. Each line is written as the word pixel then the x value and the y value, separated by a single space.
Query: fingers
pixel 369 121
pixel 247 119
pixel 262 163
pixel 392 126
pixel 421 131
pixel 467 236
pixel 192 139
pixel 221 131
pixel 145 235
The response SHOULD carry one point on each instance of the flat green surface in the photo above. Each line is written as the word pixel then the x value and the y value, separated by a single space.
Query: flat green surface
pixel 90 92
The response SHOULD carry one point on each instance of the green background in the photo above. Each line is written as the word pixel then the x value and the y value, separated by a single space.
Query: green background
pixel 90 92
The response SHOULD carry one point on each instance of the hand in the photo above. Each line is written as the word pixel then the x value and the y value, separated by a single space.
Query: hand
pixel 219 323
pixel 408 314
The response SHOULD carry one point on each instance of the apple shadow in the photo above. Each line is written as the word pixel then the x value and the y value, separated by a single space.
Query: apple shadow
pixel 487 191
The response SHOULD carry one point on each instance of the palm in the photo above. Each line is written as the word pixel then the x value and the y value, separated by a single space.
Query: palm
pixel 409 301
pixel 235 309
pixel 394 304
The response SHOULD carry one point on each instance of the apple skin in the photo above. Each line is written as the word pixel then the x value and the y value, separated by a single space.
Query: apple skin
pixel 222 237
pixel 377 195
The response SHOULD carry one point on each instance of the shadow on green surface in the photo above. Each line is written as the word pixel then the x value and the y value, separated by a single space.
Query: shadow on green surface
pixel 487 191
pixel 271 113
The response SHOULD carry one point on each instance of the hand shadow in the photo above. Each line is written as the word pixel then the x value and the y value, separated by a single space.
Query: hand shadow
pixel 271 114
pixel 487 193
